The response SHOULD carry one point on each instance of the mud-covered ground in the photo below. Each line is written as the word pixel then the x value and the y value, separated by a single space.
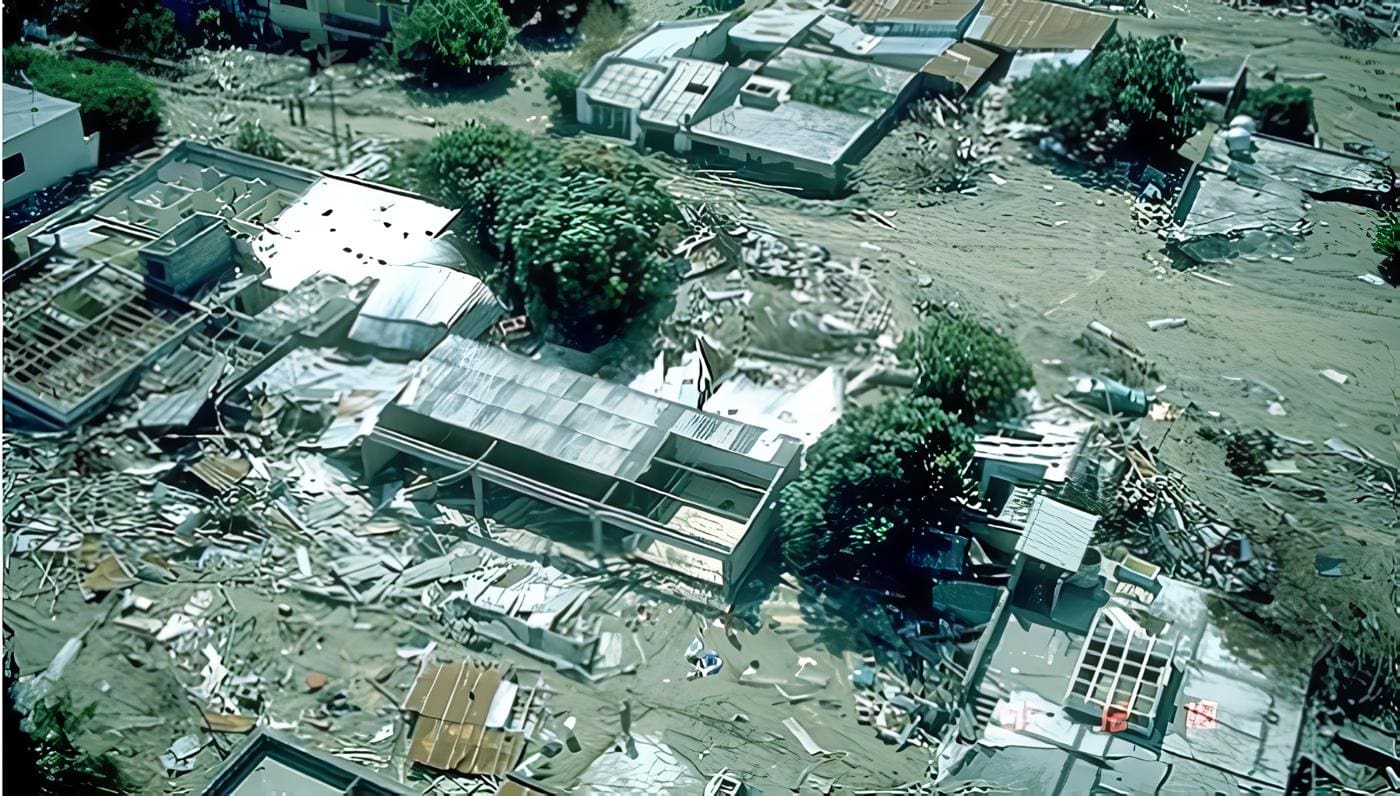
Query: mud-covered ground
pixel 1002 253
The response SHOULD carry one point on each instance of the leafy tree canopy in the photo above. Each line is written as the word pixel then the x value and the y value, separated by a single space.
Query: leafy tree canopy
pixel 1135 96
pixel 113 99
pixel 462 167
pixel 581 234
pixel 873 482
pixel 451 34
pixel 1281 109
pixel 578 226
pixel 967 365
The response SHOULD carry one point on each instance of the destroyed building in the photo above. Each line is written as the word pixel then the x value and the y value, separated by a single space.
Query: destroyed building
pixel 1108 676
pixel 211 256
pixel 696 492
pixel 801 96
pixel 1250 193
pixel 44 142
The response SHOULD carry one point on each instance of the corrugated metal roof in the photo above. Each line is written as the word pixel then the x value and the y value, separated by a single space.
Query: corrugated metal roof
pixel 604 427
pixel 1057 534
pixel 919 10
pixel 456 705
pixel 413 306
pixel 964 64
pixel 1038 25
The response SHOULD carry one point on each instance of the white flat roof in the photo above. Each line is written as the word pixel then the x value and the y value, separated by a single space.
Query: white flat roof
pixel 1057 534
pixel 352 230
pixel 26 110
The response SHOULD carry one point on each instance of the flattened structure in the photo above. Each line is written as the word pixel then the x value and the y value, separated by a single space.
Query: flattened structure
pixel 75 335
pixel 463 709
pixel 1057 534
pixel 622 458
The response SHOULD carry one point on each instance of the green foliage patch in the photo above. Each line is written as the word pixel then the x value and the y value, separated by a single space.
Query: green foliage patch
pixel 255 139
pixel 114 100
pixel 450 35
pixel 1281 110
pixel 872 483
pixel 967 365
pixel 1134 97
pixel 579 227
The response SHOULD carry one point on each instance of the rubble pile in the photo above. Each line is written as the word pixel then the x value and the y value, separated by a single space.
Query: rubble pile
pixel 940 148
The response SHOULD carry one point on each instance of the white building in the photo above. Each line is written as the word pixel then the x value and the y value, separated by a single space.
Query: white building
pixel 333 20
pixel 44 142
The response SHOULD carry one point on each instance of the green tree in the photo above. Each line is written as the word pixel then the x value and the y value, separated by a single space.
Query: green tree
pixel 581 236
pixel 149 30
pixel 578 226
pixel 1134 97
pixel 255 139
pixel 967 365
pixel 588 260
pixel 561 85
pixel 873 482
pixel 1282 110
pixel 470 166
pixel 451 34
pixel 1385 236
pixel 113 99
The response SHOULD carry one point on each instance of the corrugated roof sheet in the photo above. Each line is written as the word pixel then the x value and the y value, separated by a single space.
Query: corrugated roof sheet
pixel 456 706
pixel 964 64
pixel 919 10
pixel 1038 25
pixel 1057 534
pixel 413 306
pixel 594 424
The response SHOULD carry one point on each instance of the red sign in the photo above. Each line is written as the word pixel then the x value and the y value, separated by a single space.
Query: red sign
pixel 1200 715
pixel 1115 718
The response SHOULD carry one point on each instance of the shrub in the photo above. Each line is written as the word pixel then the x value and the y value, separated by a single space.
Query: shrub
pixel 151 32
pixel 113 99
pixel 821 84
pixel 450 34
pixel 972 369
pixel 1281 110
pixel 255 139
pixel 872 483
pixel 561 85
pixel 1135 97
pixel 1385 237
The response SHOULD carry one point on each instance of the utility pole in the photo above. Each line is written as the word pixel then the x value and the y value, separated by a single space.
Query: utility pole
pixel 325 57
